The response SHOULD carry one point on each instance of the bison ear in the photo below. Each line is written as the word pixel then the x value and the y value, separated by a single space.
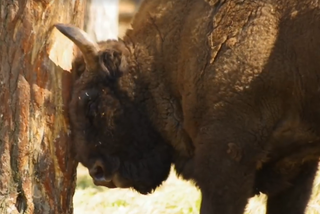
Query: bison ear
pixel 114 62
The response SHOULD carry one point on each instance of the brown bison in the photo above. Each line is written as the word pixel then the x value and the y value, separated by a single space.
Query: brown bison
pixel 227 91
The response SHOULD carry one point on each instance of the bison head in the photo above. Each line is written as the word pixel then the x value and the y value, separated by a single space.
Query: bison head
pixel 112 134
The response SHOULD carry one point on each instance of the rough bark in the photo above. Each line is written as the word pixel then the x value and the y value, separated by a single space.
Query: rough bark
pixel 37 169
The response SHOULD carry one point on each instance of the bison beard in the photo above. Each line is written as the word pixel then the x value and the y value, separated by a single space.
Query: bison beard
pixel 226 91
pixel 148 173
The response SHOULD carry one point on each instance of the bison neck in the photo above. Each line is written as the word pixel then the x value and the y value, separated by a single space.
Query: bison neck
pixel 147 87
pixel 166 69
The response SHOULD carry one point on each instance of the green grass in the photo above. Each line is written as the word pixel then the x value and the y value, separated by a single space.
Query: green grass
pixel 175 196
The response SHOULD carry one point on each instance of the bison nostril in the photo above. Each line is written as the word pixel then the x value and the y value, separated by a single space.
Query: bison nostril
pixel 97 171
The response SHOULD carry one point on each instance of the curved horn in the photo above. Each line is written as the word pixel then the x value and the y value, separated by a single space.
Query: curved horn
pixel 88 48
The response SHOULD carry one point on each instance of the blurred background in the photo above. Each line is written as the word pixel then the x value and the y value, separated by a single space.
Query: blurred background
pixel 109 19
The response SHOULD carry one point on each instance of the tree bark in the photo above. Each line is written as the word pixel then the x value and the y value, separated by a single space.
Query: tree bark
pixel 37 168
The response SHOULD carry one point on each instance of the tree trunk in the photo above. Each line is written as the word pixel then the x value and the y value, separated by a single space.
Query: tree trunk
pixel 37 168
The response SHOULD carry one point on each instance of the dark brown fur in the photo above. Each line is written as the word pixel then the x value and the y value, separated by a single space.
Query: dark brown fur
pixel 227 91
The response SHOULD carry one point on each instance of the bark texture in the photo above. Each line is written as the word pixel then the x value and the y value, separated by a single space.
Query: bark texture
pixel 37 169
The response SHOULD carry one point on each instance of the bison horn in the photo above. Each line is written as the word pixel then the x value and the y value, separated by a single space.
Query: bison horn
pixel 88 48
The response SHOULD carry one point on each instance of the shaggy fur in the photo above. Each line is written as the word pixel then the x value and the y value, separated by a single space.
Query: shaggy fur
pixel 227 91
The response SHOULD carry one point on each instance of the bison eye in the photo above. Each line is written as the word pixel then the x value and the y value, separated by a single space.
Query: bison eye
pixel 92 106
pixel 92 109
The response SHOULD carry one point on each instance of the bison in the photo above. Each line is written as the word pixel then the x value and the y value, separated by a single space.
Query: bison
pixel 226 91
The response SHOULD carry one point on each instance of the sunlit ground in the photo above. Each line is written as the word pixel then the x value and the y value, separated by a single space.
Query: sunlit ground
pixel 175 196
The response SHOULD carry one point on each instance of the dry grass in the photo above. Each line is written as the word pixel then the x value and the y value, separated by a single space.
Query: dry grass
pixel 175 196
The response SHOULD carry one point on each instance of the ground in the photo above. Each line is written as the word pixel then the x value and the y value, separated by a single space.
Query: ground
pixel 175 196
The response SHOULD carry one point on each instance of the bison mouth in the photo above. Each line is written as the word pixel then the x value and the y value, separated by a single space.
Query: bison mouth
pixel 115 182
pixel 144 174
pixel 111 178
